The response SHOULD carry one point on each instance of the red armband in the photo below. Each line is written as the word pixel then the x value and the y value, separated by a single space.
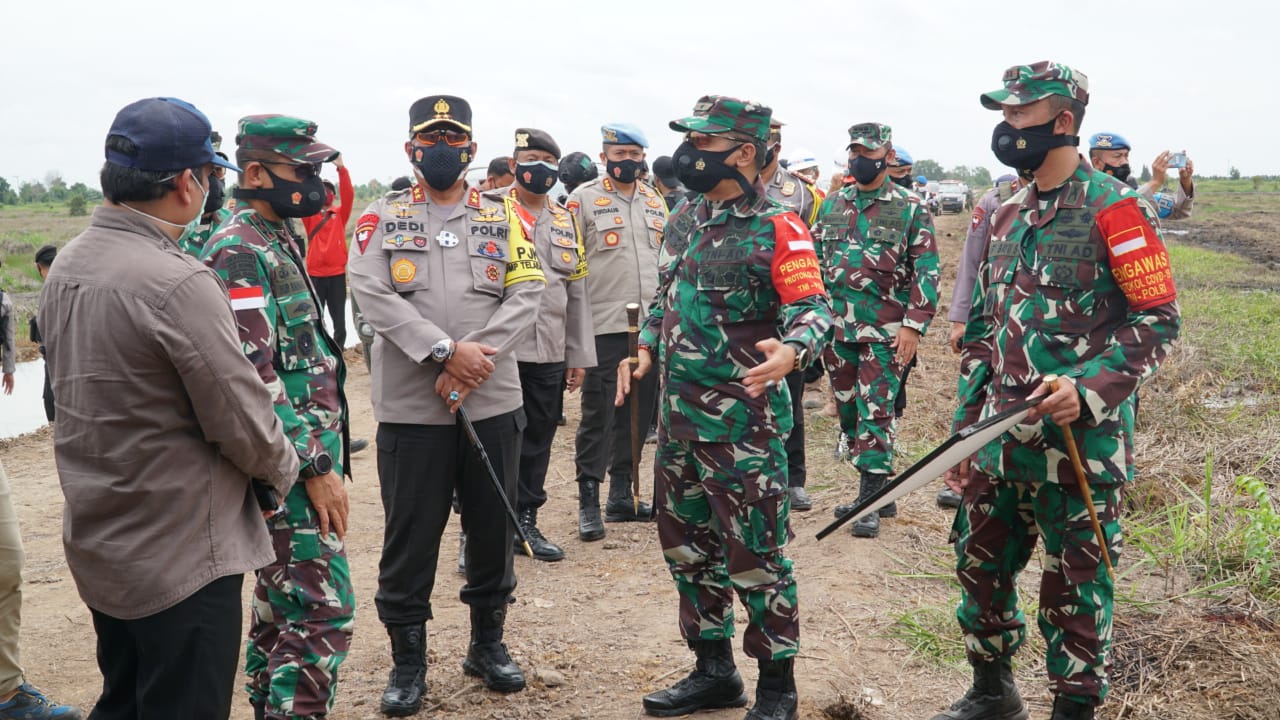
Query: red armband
pixel 796 273
pixel 1139 260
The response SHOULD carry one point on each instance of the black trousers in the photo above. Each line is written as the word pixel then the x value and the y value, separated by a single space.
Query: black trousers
pixel 796 473
pixel 420 467
pixel 543 387
pixel 604 435
pixel 178 663
pixel 332 292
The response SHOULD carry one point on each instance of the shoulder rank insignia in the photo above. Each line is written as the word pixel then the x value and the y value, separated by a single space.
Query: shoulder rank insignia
pixel 607 184
pixel 419 195
pixel 473 198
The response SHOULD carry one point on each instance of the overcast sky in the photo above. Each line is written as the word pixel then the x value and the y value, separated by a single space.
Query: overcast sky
pixel 1167 75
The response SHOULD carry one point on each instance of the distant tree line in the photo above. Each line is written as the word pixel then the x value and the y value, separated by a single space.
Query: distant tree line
pixel 52 190
pixel 974 177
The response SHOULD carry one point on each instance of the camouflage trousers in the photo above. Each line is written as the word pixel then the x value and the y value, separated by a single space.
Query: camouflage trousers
pixel 866 379
pixel 997 527
pixel 303 613
pixel 722 513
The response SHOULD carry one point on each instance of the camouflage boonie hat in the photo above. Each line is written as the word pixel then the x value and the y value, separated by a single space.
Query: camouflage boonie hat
pixel 1024 84
pixel 291 137
pixel 872 136
pixel 721 114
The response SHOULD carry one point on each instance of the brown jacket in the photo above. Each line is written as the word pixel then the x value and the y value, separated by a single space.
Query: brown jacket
pixel 161 420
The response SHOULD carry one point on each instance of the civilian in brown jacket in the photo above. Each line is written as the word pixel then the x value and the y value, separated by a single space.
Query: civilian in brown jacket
pixel 162 421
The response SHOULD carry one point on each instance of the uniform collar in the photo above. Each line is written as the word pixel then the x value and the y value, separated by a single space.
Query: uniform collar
pixel 118 218
pixel 1070 196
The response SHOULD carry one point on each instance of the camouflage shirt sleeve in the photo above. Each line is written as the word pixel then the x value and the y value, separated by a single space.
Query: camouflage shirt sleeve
pixel 244 272
pixel 922 250
pixel 805 310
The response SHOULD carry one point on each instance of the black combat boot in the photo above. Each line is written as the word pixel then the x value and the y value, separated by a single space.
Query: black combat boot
pixel 408 681
pixel 948 498
pixel 714 683
pixel 994 695
pixel 543 549
pixel 487 658
pixel 1066 709
pixel 259 709
pixel 776 697
pixel 868 526
pixel 590 527
pixel 621 506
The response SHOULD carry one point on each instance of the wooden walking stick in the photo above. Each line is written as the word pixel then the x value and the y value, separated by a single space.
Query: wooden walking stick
pixel 1074 453
pixel 637 438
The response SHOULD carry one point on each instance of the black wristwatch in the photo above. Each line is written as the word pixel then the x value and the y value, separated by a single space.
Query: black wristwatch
pixel 321 464
pixel 442 351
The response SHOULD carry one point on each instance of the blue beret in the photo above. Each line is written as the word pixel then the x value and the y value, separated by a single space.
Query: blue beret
pixel 623 134
pixel 1108 141
pixel 1006 178
pixel 904 157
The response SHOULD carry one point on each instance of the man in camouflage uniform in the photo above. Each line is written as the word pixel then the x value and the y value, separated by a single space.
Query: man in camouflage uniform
pixel 740 305
pixel 556 354
pixel 214 215
pixel 449 279
pixel 880 263
pixel 975 249
pixel 1076 283
pixel 621 219
pixel 303 604
pixel 801 198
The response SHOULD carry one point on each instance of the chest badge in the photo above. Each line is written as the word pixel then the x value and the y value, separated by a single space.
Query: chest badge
pixel 490 249
pixel 612 239
pixel 403 271
pixel 447 239
pixel 491 272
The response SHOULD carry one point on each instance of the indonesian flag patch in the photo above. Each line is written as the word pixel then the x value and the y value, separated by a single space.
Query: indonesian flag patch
pixel 1139 260
pixel 247 298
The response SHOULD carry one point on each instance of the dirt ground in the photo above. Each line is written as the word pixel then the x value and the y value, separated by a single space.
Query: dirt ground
pixel 598 630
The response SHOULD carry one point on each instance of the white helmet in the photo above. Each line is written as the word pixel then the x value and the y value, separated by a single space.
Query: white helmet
pixel 801 159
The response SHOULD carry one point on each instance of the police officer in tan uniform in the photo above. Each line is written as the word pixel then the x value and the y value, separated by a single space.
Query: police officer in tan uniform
pixel 621 219
pixel 451 283
pixel 801 198
pixel 562 345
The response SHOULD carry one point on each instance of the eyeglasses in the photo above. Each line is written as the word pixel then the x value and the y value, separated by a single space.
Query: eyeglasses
pixel 453 138
pixel 303 171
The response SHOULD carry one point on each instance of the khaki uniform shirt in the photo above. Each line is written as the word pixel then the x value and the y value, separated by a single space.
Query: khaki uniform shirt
pixel 1182 202
pixel 621 235
pixel 562 331
pixel 423 273
pixel 795 195
pixel 161 420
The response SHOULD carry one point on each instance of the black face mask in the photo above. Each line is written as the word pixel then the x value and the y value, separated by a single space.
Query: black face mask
pixel 1027 148
pixel 289 199
pixel 624 171
pixel 702 170
pixel 1119 172
pixel 536 177
pixel 904 181
pixel 770 155
pixel 217 195
pixel 865 170
pixel 441 164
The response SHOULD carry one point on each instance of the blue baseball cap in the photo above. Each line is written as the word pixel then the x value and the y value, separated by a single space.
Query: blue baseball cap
pixel 1108 141
pixel 903 157
pixel 623 134
pixel 170 135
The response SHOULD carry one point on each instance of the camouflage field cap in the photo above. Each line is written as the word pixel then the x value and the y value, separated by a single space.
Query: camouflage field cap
pixel 871 135
pixel 291 137
pixel 721 114
pixel 1025 84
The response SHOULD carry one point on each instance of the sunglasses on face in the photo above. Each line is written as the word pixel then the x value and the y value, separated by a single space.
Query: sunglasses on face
pixel 302 171
pixel 453 138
